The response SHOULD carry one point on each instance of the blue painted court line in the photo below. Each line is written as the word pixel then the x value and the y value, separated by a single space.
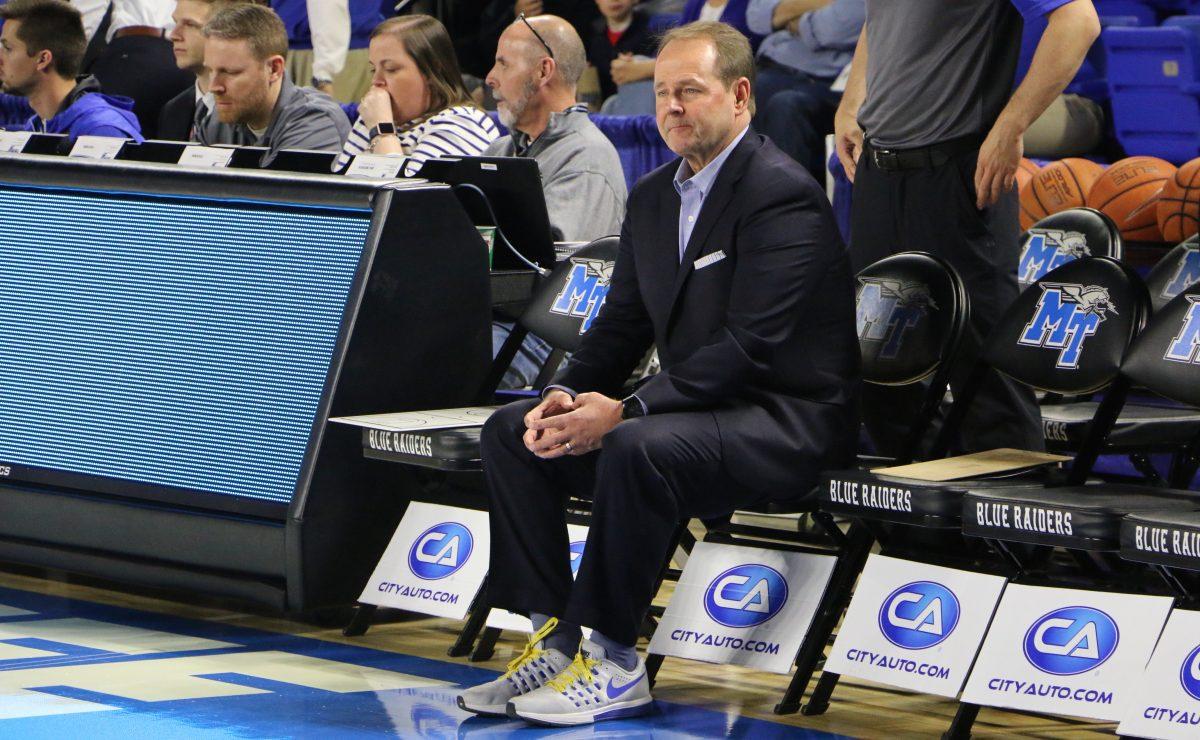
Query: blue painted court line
pixel 278 708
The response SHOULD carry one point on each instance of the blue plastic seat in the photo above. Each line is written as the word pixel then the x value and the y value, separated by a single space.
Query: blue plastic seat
pixel 1153 81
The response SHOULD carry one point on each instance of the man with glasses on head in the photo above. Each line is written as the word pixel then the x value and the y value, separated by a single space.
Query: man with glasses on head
pixel 538 64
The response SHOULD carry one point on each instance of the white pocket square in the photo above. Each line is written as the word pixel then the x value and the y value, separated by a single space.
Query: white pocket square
pixel 709 259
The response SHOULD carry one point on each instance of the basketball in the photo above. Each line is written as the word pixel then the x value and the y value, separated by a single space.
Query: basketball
pixel 1127 193
pixel 1178 206
pixel 1025 171
pixel 1056 187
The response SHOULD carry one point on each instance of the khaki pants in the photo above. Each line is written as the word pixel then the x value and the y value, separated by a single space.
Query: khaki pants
pixel 348 87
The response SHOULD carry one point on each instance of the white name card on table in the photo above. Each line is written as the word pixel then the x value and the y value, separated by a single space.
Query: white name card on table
pixel 743 606
pixel 376 166
pixel 435 563
pixel 14 141
pixel 500 619
pixel 914 625
pixel 1066 651
pixel 195 155
pixel 1166 703
pixel 97 147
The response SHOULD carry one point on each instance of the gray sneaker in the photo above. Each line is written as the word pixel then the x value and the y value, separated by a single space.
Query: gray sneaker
pixel 591 689
pixel 531 669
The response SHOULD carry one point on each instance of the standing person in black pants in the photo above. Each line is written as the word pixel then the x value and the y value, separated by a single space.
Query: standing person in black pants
pixel 931 137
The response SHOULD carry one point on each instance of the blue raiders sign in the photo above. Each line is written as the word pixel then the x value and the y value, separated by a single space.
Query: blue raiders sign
pixel 1065 316
pixel 1046 249
pixel 887 309
pixel 585 290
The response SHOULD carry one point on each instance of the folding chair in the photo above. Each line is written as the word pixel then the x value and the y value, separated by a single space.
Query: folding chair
pixel 1065 236
pixel 1064 334
pixel 1166 359
pixel 1145 425
pixel 912 312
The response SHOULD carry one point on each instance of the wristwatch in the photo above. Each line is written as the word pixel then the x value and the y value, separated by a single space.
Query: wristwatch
pixel 384 128
pixel 632 408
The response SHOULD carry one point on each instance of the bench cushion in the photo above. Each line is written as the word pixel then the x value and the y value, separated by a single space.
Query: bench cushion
pixel 1075 517
pixel 1166 537
pixel 866 495
pixel 440 449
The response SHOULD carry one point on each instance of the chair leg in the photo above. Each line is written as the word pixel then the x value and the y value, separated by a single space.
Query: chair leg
pixel 833 603
pixel 653 663
pixel 819 701
pixel 964 719
pixel 360 621
pixel 486 647
pixel 476 618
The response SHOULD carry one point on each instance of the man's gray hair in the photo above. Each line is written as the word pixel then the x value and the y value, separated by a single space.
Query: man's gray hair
pixel 735 58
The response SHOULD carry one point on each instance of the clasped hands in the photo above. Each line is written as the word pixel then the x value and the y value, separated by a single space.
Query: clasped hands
pixel 561 425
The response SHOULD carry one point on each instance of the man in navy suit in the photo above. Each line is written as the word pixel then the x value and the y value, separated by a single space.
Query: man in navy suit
pixel 730 263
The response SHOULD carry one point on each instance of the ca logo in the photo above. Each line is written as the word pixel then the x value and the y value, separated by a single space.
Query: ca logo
pixel 919 615
pixel 745 596
pixel 440 550
pixel 1071 640
pixel 1189 674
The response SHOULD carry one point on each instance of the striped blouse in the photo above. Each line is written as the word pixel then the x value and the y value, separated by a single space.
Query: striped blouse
pixel 460 131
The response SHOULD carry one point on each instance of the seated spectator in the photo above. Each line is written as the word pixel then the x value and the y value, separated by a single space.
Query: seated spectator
pixel 327 42
pixel 797 64
pixel 138 62
pixel 534 84
pixel 41 48
pixel 256 102
pixel 621 46
pixel 538 64
pixel 732 12
pixel 177 121
pixel 417 106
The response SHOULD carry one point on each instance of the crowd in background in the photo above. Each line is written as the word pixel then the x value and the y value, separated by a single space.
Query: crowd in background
pixel 145 55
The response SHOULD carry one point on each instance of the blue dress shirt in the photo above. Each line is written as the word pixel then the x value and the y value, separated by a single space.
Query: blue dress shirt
pixel 694 188
pixel 826 40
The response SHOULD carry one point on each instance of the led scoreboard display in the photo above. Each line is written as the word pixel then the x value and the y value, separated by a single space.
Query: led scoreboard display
pixel 167 342
pixel 173 341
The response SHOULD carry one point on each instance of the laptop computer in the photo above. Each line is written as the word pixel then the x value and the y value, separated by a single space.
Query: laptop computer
pixel 513 190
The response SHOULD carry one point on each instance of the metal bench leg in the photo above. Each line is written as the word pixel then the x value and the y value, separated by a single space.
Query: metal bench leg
pixel 964 719
pixel 653 663
pixel 833 603
pixel 819 701
pixel 360 620
pixel 486 647
pixel 476 618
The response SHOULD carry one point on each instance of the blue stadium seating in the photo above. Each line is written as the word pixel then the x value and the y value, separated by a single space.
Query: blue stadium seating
pixel 1153 81
pixel 1143 11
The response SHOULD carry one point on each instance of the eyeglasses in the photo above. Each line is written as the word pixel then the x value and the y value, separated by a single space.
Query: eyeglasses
pixel 529 25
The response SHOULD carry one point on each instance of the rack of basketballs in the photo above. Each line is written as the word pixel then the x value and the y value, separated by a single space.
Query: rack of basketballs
pixel 1148 198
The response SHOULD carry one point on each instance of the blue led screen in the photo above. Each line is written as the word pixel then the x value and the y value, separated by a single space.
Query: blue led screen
pixel 168 342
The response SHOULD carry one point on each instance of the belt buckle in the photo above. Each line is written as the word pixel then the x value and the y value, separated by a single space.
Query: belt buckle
pixel 885 159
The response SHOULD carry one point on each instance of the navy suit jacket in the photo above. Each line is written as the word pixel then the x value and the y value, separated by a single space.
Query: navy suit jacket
pixel 763 338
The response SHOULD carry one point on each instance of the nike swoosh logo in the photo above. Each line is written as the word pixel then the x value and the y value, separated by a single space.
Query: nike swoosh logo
pixel 615 691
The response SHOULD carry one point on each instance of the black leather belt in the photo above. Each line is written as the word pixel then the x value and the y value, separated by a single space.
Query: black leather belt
pixel 925 157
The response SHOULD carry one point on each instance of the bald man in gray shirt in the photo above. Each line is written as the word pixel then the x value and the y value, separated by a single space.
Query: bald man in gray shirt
pixel 930 133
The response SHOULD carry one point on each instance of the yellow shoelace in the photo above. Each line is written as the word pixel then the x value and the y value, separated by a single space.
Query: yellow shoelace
pixel 579 671
pixel 532 651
